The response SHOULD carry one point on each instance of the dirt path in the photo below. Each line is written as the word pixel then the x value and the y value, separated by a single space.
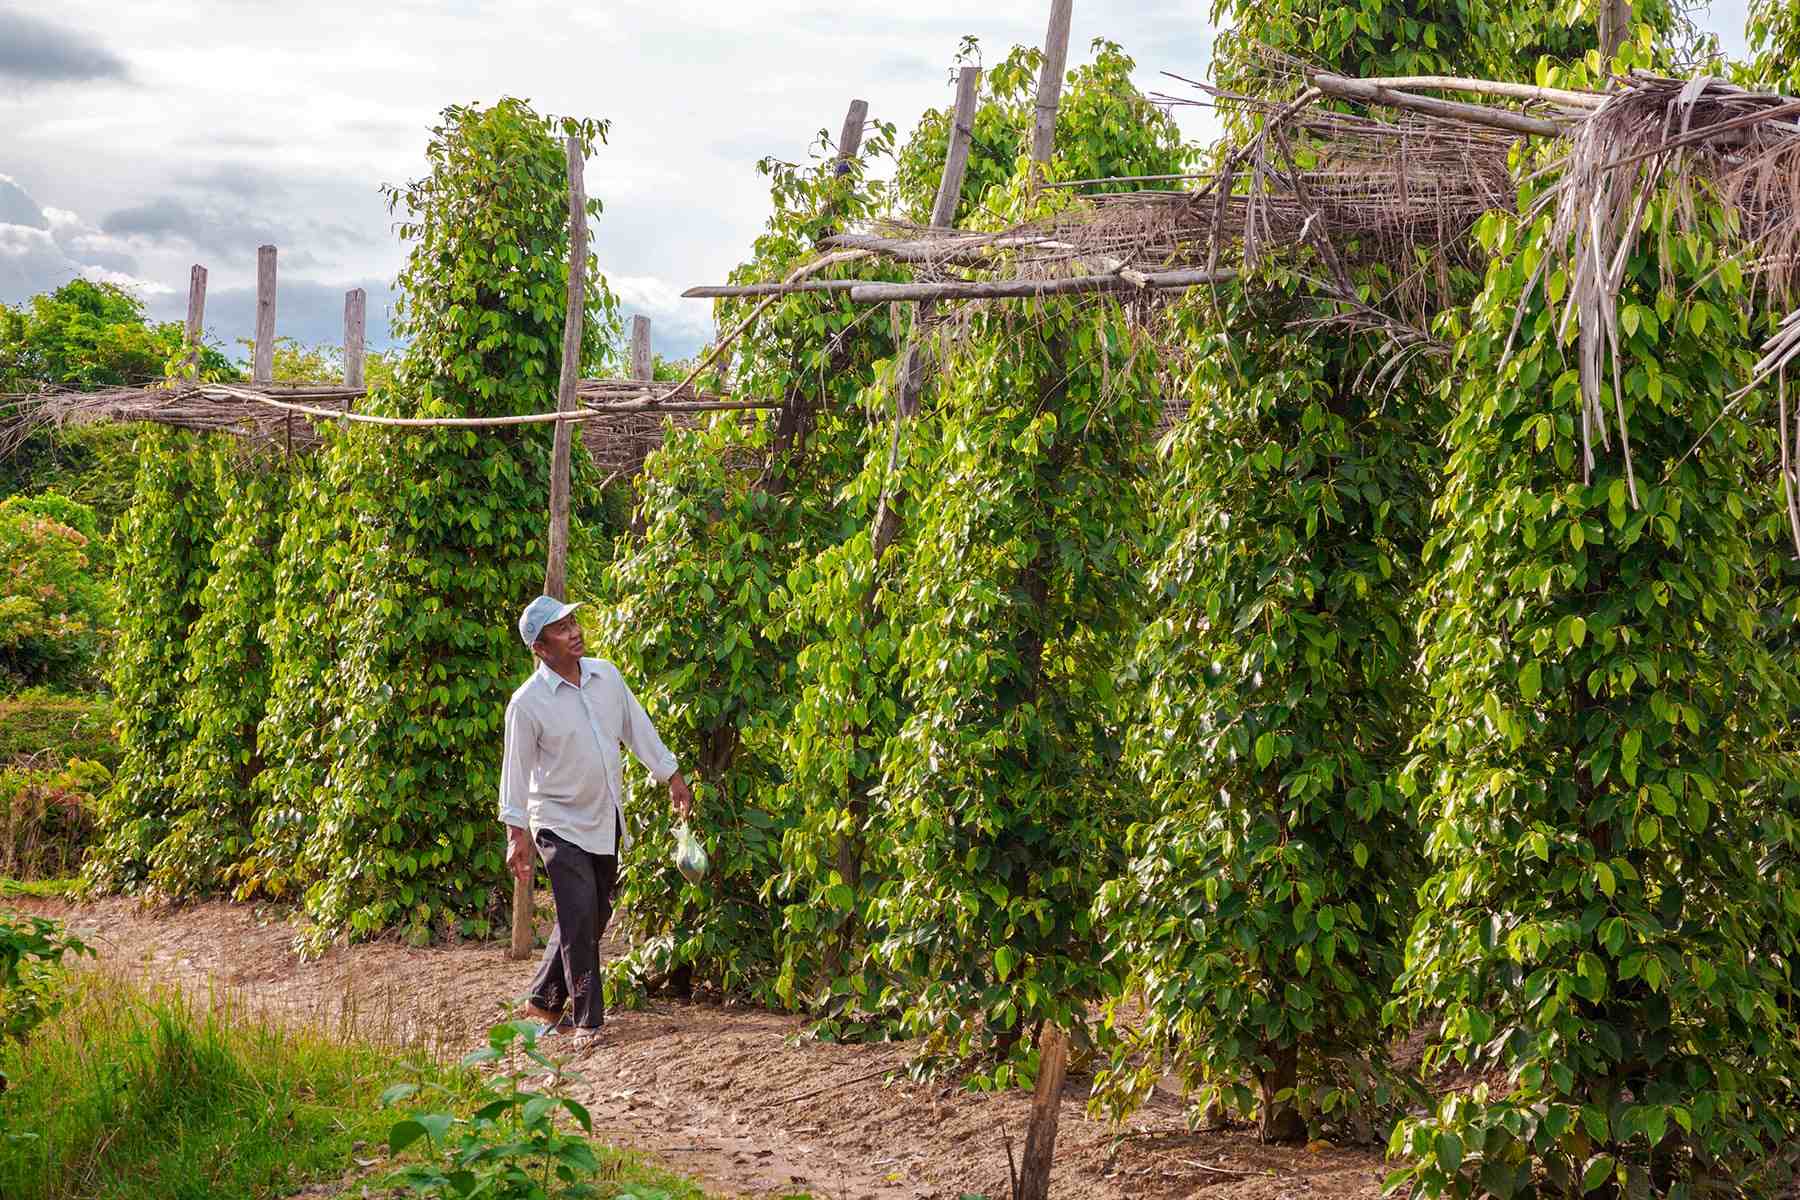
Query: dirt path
pixel 737 1097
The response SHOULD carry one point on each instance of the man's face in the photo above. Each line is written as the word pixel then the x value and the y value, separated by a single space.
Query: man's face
pixel 561 640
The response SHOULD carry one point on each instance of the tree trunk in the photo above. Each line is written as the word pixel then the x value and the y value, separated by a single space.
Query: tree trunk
pixel 1279 1120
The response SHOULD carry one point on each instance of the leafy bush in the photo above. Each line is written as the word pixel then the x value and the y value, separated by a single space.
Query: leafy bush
pixel 512 1144
pixel 54 615
pixel 428 554
pixel 164 559
pixel 30 950
pixel 1607 766
pixel 47 818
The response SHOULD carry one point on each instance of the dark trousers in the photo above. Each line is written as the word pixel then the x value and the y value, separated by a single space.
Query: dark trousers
pixel 582 884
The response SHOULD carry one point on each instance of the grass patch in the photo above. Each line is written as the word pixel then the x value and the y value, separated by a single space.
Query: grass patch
pixel 136 1093
pixel 42 889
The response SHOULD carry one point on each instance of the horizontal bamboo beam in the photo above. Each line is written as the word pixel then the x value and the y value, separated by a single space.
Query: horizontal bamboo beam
pixel 647 404
pixel 1026 289
pixel 1491 87
pixel 1368 92
pixel 712 291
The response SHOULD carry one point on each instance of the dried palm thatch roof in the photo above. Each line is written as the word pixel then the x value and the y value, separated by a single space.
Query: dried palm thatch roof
pixel 618 421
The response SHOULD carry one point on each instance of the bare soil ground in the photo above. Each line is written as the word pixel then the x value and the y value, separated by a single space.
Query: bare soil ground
pixel 738 1097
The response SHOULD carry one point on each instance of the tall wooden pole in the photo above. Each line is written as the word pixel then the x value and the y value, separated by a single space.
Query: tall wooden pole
pixel 956 160
pixel 196 318
pixel 1615 27
pixel 262 364
pixel 850 138
pixel 643 362
pixel 1046 1107
pixel 356 309
pixel 1050 81
pixel 556 568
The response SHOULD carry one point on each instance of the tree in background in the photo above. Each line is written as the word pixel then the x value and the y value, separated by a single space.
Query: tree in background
pixel 55 618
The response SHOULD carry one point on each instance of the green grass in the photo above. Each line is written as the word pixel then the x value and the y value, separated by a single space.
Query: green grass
pixel 133 1093
pixel 42 889
pixel 136 1093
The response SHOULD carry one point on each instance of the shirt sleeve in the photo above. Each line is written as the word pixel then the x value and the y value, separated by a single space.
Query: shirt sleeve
pixel 640 736
pixel 516 761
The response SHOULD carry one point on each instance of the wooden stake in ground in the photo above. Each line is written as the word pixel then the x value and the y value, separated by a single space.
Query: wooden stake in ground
pixel 356 308
pixel 556 568
pixel 643 363
pixel 1046 1107
pixel 196 318
pixel 1050 81
pixel 262 364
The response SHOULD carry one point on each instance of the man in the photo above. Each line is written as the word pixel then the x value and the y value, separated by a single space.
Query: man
pixel 561 787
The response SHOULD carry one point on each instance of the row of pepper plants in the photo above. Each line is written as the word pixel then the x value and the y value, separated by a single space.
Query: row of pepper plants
pixel 1242 749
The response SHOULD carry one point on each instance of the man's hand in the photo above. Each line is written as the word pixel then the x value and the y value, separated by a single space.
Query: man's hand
pixel 518 853
pixel 679 796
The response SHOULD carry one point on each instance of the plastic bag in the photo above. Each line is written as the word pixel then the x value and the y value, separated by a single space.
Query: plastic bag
pixel 690 855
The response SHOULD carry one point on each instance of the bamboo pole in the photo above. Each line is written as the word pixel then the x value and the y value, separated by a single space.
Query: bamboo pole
pixel 1369 92
pixel 196 318
pixel 356 306
pixel 1050 81
pixel 1017 289
pixel 262 364
pixel 556 568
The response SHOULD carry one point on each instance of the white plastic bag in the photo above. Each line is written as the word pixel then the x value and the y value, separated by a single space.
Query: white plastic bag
pixel 690 855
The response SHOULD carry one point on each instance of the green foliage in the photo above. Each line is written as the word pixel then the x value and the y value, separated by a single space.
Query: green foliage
pixel 54 615
pixel 510 1147
pixel 1262 915
pixel 227 678
pixel 1003 791
pixel 434 549
pixel 730 509
pixel 47 817
pixel 31 948
pixel 88 335
pixel 89 464
pixel 1105 127
pixel 1773 30
pixel 136 1094
pixel 163 559
pixel 1600 770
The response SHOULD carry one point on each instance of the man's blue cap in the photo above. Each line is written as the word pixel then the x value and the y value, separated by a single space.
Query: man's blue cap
pixel 545 610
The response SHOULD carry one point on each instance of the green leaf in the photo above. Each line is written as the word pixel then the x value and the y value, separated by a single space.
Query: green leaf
pixel 1005 958
pixel 404 1134
pixel 1530 680
pixel 1449 1151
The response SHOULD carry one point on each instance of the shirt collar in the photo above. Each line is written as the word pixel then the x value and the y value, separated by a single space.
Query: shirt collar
pixel 589 668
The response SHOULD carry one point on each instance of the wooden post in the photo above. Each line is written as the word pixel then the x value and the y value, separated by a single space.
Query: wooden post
pixel 1050 81
pixel 850 139
pixel 262 365
pixel 956 161
pixel 643 363
pixel 1615 27
pixel 196 318
pixel 356 306
pixel 910 371
pixel 556 567
pixel 1046 1107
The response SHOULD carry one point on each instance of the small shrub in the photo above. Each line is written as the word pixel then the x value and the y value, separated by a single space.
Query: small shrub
pixel 30 950
pixel 47 817
pixel 54 622
pixel 511 1147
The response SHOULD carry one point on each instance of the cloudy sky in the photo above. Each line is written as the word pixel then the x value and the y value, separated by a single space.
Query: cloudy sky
pixel 136 139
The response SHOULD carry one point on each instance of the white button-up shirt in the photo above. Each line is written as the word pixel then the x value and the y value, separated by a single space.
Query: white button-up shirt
pixel 561 769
